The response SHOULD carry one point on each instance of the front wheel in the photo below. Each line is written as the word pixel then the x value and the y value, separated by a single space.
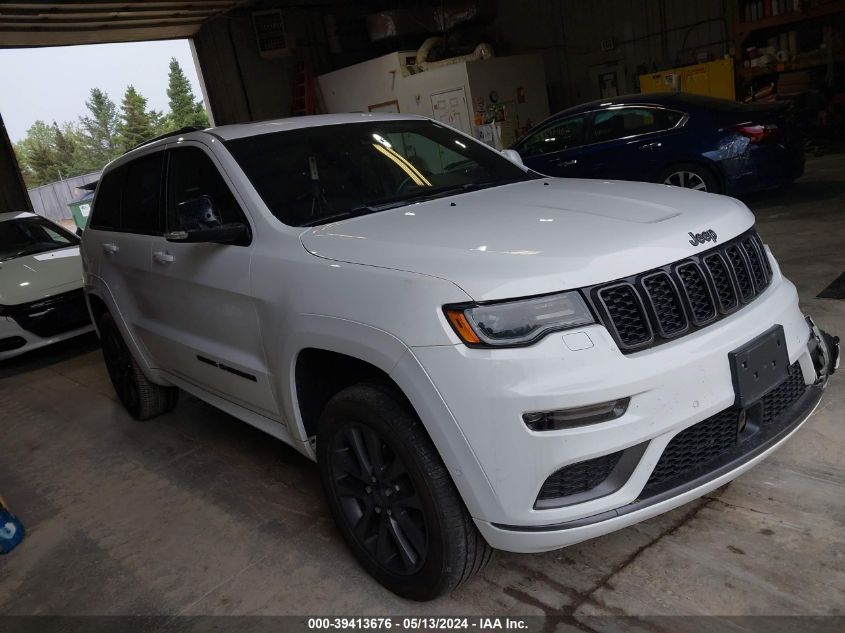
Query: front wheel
pixel 140 397
pixel 690 176
pixel 391 496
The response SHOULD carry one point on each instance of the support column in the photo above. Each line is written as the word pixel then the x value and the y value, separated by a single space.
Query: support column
pixel 13 195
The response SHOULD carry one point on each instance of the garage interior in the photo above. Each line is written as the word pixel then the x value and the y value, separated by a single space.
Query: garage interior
pixel 195 513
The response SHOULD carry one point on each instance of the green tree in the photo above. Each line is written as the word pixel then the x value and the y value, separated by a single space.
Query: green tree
pixel 37 154
pixel 135 124
pixel 51 152
pixel 70 155
pixel 99 129
pixel 185 110
pixel 160 122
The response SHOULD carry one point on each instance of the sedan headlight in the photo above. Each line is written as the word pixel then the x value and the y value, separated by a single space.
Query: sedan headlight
pixel 520 322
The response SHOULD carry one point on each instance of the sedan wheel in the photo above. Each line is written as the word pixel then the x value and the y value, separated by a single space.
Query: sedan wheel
pixel 686 179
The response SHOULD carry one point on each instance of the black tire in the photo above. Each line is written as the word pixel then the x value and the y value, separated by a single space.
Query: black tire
pixel 678 175
pixel 141 398
pixel 397 469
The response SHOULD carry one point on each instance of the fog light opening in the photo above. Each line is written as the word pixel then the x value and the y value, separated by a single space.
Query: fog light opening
pixel 578 416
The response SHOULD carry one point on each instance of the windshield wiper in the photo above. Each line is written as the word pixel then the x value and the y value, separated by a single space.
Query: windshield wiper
pixel 354 212
pixel 405 200
pixel 31 251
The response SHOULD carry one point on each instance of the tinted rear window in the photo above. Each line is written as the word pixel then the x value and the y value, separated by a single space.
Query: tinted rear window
pixel 141 201
pixel 713 103
pixel 106 213
pixel 129 197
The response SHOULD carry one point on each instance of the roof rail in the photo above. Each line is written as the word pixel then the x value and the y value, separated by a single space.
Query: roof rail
pixel 181 130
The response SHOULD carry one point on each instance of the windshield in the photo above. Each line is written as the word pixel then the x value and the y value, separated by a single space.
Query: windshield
pixel 27 236
pixel 315 175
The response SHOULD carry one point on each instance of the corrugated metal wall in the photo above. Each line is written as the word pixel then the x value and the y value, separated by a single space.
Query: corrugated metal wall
pixel 646 35
pixel 51 200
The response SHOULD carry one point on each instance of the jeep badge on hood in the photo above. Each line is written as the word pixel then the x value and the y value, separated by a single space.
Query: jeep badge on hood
pixel 705 236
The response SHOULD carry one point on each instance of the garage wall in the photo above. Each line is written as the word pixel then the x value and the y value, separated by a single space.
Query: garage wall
pixel 241 85
pixel 582 43
pixel 646 35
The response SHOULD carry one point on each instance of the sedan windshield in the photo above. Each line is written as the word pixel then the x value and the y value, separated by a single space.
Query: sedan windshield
pixel 316 175
pixel 29 235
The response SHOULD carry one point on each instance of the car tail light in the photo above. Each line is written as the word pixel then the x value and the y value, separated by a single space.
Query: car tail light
pixel 758 132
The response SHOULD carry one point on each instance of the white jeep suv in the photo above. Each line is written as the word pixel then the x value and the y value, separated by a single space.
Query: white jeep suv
pixel 476 356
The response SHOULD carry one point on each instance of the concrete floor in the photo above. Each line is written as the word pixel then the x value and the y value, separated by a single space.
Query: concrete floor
pixel 197 513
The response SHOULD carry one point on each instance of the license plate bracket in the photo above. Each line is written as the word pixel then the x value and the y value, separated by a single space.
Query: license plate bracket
pixel 759 366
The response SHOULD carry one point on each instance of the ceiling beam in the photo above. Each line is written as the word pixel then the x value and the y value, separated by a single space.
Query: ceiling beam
pixel 95 7
pixel 99 24
pixel 30 24
pixel 30 39
pixel 111 15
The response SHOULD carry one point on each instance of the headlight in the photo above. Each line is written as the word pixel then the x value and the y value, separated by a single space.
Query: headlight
pixel 520 322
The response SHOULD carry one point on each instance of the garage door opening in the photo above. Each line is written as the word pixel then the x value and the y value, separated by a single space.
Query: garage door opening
pixel 70 110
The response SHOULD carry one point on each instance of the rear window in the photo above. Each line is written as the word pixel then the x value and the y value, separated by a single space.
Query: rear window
pixel 129 197
pixel 713 103
pixel 106 212
pixel 140 209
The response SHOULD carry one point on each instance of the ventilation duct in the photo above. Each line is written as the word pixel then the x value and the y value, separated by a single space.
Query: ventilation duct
pixel 482 51
pixel 386 25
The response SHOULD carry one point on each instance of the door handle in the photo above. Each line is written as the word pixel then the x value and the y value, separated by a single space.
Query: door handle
pixel 651 145
pixel 163 258
pixel 565 163
pixel 111 249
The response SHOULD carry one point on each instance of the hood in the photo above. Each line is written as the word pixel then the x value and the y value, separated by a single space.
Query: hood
pixel 535 237
pixel 37 276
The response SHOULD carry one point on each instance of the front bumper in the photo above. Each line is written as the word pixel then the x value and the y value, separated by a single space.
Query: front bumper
pixel 14 340
pixel 672 388
pixel 547 537
pixel 28 326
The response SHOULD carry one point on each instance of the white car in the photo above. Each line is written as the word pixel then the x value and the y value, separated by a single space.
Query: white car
pixel 476 356
pixel 41 298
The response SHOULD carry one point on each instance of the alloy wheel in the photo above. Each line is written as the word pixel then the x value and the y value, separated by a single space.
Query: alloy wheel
pixel 686 179
pixel 378 499
pixel 120 366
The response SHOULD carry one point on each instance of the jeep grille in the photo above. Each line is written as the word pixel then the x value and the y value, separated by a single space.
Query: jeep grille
pixel 662 304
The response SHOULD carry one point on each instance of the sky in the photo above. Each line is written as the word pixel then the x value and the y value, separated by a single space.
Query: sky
pixel 52 84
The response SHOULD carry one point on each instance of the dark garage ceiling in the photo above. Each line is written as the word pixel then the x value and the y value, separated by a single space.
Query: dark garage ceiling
pixel 98 21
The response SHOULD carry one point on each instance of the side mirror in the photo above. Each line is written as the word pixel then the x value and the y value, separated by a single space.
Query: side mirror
pixel 78 231
pixel 197 220
pixel 513 156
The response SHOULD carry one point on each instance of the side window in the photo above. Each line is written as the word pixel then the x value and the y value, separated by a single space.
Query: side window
pixel 555 137
pixel 193 175
pixel 141 202
pixel 669 118
pixel 106 213
pixel 612 124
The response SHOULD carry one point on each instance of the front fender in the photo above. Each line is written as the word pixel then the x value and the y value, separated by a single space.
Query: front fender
pixel 389 354
pixel 332 334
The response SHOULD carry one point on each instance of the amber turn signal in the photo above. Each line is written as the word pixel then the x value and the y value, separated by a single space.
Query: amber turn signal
pixel 462 328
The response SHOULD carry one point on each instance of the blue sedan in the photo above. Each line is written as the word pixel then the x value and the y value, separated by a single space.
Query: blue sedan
pixel 678 139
